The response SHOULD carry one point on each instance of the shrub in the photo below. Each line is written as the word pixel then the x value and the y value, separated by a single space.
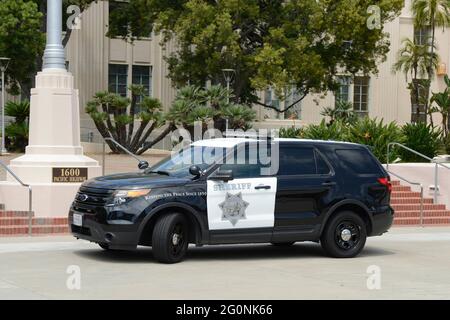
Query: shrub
pixel 376 135
pixel 446 145
pixel 335 131
pixel 291 132
pixel 422 138
pixel 16 133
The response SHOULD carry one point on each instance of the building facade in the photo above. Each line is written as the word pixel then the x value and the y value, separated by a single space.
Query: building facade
pixel 100 63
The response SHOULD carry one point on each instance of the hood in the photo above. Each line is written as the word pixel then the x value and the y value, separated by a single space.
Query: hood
pixel 134 180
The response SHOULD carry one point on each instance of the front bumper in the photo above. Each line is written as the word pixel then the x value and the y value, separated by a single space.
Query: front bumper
pixel 382 221
pixel 96 228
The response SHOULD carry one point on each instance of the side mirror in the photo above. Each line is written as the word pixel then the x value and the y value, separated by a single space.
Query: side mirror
pixel 222 175
pixel 195 171
pixel 143 165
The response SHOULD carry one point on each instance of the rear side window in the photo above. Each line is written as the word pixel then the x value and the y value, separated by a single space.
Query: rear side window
pixel 301 161
pixel 360 161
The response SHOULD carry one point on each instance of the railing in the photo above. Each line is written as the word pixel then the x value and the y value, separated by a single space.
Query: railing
pixel 421 192
pixel 121 147
pixel 30 196
pixel 436 164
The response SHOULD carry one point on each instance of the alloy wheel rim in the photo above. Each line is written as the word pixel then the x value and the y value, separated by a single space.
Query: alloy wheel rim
pixel 347 235
pixel 177 239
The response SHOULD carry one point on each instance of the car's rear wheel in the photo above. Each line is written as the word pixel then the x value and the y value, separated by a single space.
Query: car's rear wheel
pixel 344 235
pixel 170 238
pixel 283 244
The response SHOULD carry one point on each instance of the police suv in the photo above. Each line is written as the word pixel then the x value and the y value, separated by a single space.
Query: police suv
pixel 240 190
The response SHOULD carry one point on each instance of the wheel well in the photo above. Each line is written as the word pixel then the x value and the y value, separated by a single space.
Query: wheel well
pixel 194 226
pixel 356 209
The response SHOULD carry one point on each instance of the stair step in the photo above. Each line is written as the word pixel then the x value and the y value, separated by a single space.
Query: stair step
pixel 410 200
pixel 401 188
pixel 395 182
pixel 416 221
pixel 415 213
pixel 416 206
pixel 405 194
pixel 36 230
pixel 10 221
pixel 11 213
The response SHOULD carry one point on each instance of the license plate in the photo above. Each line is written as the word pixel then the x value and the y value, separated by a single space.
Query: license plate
pixel 78 219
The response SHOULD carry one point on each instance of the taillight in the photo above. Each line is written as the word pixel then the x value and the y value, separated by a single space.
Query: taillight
pixel 386 182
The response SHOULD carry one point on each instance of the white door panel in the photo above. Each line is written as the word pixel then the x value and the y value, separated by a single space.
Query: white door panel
pixel 237 204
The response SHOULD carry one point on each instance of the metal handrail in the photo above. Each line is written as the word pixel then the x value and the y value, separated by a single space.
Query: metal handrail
pixel 121 147
pixel 436 164
pixel 421 192
pixel 30 195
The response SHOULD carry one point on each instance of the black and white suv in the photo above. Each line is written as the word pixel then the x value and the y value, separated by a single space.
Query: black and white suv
pixel 240 190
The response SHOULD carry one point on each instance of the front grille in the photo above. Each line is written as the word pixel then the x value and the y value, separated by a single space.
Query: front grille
pixel 92 196
pixel 80 230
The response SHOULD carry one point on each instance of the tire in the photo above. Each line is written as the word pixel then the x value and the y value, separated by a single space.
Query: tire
pixel 170 238
pixel 338 243
pixel 283 244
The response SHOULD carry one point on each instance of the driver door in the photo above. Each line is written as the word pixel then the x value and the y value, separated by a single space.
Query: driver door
pixel 241 209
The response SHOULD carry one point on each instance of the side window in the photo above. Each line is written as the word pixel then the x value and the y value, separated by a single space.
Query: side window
pixel 301 161
pixel 246 162
pixel 360 161
pixel 322 166
pixel 296 161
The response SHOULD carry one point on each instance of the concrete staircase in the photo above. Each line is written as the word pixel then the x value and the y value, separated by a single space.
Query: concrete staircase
pixel 15 223
pixel 406 204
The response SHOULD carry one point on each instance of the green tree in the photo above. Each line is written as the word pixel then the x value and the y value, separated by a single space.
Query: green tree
pixel 431 13
pixel 196 104
pixel 20 40
pixel 115 117
pixel 441 101
pixel 343 111
pixel 412 60
pixel 279 44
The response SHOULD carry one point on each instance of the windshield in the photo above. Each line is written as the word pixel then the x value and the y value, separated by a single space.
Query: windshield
pixel 178 164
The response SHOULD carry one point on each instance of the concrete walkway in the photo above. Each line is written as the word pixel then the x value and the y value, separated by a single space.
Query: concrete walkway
pixel 413 263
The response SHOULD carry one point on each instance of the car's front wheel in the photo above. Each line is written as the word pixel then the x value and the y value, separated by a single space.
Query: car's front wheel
pixel 170 238
pixel 344 235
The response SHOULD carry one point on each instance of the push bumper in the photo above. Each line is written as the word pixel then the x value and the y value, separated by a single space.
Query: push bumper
pixel 117 235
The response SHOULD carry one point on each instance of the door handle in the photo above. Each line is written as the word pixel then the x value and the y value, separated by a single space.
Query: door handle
pixel 262 187
pixel 329 183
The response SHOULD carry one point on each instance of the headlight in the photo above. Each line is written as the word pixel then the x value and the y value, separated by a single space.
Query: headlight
pixel 122 196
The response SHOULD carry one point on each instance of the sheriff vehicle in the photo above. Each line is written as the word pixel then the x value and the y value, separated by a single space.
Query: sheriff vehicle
pixel 240 190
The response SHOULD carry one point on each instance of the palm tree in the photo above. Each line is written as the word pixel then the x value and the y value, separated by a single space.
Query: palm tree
pixel 442 101
pixel 342 111
pixel 412 60
pixel 431 13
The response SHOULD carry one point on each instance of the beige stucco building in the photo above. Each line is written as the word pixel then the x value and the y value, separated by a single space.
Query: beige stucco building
pixel 100 63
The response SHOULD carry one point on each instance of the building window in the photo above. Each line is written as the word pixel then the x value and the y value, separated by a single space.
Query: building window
pixel 296 111
pixel 117 79
pixel 361 94
pixel 343 92
pixel 422 35
pixel 142 75
pixel 271 99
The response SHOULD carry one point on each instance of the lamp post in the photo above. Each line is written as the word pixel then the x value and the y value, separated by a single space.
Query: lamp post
pixel 4 62
pixel 54 56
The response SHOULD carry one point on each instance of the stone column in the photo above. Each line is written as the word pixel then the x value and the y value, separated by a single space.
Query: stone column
pixel 54 136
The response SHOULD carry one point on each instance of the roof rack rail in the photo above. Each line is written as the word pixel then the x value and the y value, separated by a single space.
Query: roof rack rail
pixel 268 135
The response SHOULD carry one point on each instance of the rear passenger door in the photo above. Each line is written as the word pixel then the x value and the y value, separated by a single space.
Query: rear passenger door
pixel 306 184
